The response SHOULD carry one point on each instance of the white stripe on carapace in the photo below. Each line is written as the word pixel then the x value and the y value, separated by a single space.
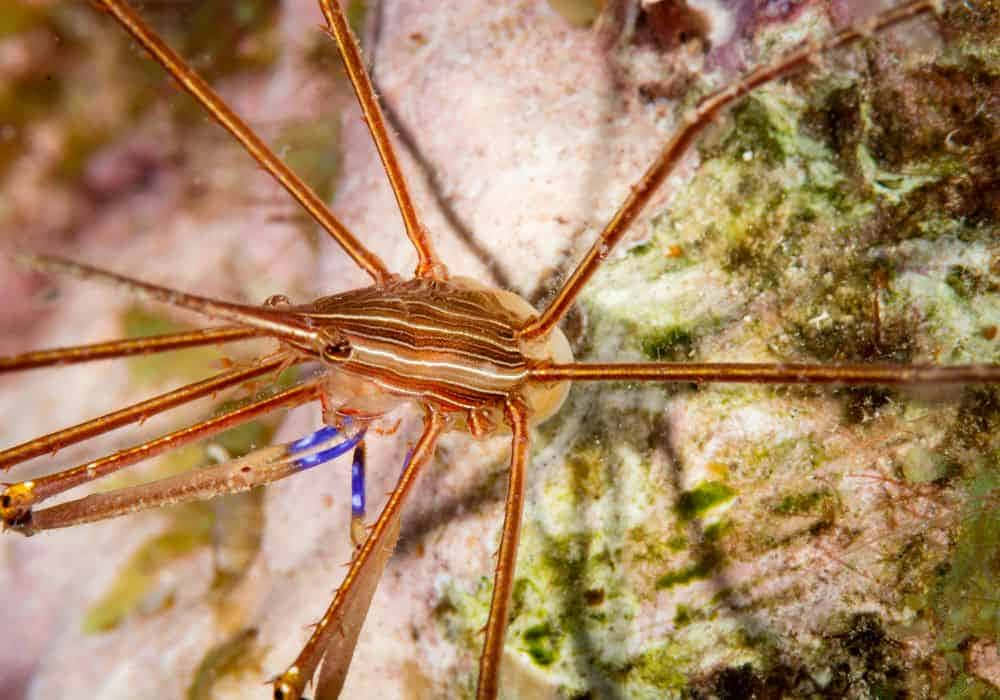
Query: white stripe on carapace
pixel 430 348
pixel 511 378
pixel 399 324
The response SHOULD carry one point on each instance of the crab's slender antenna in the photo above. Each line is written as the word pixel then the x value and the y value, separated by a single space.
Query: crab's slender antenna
pixel 136 413
pixel 703 115
pixel 258 150
pixel 266 321
pixel 125 348
pixel 16 500
pixel 336 633
pixel 753 373
pixel 503 581
pixel 428 265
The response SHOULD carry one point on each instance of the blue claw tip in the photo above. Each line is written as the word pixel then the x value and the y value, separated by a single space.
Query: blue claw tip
pixel 358 483
pixel 326 455
pixel 325 433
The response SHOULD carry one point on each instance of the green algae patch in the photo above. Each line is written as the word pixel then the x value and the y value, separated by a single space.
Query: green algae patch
pixel 890 185
pixel 965 282
pixel 567 589
pixel 660 668
pixel 242 439
pixel 586 465
pixel 646 545
pixel 971 688
pixel 977 420
pixel 460 614
pixel 139 322
pixel 576 566
pixel 356 11
pixel 312 149
pixel 189 364
pixel 764 126
pixel 233 656
pixel 803 503
pixel 964 599
pixel 541 642
pixel 231 525
pixel 762 459
pixel 237 535
pixel 700 569
pixel 671 343
pixel 707 495
pixel 579 13
pixel 684 616
pixel 39 85
pixel 714 532
pixel 225 38
pixel 678 542
pixel 134 589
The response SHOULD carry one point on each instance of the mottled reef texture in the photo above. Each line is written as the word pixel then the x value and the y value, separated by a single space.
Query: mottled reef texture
pixel 679 541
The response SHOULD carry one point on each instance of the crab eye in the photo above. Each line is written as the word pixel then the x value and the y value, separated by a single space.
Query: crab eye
pixel 338 351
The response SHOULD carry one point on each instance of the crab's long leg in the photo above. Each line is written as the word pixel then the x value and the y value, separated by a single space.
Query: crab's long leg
pixel 503 579
pixel 335 636
pixel 135 413
pixel 703 115
pixel 428 264
pixel 255 469
pixel 16 500
pixel 755 373
pixel 124 348
pixel 258 150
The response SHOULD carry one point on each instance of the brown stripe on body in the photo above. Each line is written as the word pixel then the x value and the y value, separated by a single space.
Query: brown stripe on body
pixel 429 339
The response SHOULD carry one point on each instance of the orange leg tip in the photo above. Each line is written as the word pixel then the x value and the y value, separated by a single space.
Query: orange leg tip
pixel 359 532
pixel 287 686
pixel 15 504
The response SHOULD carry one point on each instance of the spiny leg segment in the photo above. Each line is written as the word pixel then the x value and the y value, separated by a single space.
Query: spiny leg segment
pixel 255 469
pixel 503 581
pixel 759 373
pixel 428 265
pixel 258 150
pixel 124 348
pixel 335 636
pixel 135 413
pixel 17 500
pixel 691 126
